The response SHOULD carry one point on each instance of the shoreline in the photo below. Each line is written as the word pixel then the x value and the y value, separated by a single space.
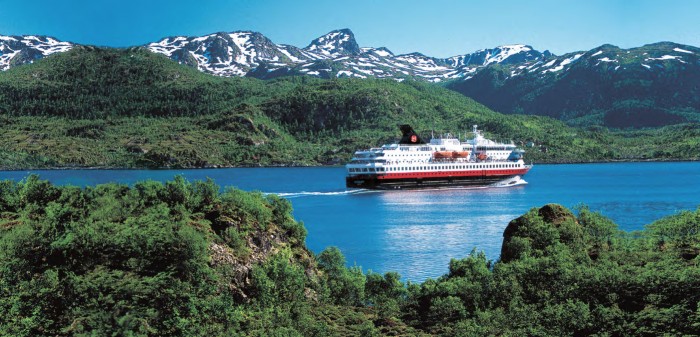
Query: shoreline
pixel 66 168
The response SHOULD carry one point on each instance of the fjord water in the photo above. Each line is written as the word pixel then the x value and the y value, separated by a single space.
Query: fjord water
pixel 417 232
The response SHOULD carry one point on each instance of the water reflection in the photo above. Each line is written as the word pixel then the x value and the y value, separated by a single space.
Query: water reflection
pixel 423 230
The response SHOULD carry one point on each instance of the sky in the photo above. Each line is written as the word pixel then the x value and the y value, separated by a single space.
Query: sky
pixel 439 28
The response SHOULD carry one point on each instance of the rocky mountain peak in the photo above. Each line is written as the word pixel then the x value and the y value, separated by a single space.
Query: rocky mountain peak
pixel 17 50
pixel 336 43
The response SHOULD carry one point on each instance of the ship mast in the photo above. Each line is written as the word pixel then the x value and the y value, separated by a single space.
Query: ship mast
pixel 476 134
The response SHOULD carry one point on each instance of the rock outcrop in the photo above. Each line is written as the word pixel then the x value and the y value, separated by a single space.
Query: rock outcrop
pixel 532 233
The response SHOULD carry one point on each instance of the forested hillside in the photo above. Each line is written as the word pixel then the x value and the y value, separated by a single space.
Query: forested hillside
pixel 96 107
pixel 184 259
pixel 649 86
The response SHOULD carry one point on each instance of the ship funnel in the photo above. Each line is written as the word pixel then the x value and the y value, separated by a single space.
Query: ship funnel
pixel 409 136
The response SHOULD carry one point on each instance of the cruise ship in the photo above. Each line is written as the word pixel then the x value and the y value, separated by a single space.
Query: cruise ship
pixel 445 161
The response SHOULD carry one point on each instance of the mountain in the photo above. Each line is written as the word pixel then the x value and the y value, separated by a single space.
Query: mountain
pixel 17 50
pixel 336 54
pixel 335 44
pixel 649 86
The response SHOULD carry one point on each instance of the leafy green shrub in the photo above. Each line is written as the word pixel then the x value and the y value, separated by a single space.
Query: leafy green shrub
pixel 278 282
pixel 680 231
pixel 114 259
pixel 346 286
pixel 250 207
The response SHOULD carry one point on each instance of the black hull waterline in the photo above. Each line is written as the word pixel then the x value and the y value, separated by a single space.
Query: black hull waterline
pixel 371 182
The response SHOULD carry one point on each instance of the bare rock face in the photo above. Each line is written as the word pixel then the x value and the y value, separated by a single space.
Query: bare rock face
pixel 237 268
pixel 235 265
pixel 531 234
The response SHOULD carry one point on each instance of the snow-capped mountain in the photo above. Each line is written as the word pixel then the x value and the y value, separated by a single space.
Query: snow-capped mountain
pixel 653 85
pixel 223 54
pixel 246 53
pixel 17 50
pixel 657 84
pixel 335 44
pixel 502 55
pixel 335 54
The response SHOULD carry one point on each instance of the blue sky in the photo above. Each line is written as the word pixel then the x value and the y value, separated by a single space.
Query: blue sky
pixel 438 28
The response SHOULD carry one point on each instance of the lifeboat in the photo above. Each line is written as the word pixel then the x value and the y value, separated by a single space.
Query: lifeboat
pixel 460 154
pixel 442 154
pixel 482 156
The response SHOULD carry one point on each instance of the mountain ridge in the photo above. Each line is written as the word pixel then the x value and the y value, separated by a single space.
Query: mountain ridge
pixel 335 54
pixel 648 86
pixel 241 53
pixel 653 85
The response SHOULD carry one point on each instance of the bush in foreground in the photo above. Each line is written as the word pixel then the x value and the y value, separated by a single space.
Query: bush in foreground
pixel 185 259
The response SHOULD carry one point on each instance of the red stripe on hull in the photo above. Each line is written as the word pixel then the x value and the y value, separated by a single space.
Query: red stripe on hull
pixel 449 174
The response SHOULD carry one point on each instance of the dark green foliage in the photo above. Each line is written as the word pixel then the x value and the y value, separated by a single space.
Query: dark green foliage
pixel 89 82
pixel 346 286
pixel 182 259
pixel 679 233
pixel 100 107
pixel 563 275
pixel 281 213
pixel 154 260
pixel 71 273
pixel 535 234
pixel 279 282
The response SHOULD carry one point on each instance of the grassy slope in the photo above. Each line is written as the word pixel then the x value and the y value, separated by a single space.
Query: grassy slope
pixel 132 108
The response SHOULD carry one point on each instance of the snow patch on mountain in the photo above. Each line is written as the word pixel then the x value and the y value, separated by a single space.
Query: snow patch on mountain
pixel 506 52
pixel 665 57
pixel 289 55
pixel 17 50
pixel 563 63
pixel 605 59
pixel 683 51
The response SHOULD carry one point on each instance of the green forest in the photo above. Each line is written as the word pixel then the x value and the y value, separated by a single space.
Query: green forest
pixel 130 108
pixel 185 258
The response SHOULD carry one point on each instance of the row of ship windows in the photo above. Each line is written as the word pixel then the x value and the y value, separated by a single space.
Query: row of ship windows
pixel 384 161
pixel 422 148
pixel 464 148
pixel 410 155
pixel 426 168
pixel 430 154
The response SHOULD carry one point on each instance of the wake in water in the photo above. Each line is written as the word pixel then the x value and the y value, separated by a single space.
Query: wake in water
pixel 307 194
pixel 516 181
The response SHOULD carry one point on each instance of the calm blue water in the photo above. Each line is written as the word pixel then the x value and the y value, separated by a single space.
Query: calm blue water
pixel 417 232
